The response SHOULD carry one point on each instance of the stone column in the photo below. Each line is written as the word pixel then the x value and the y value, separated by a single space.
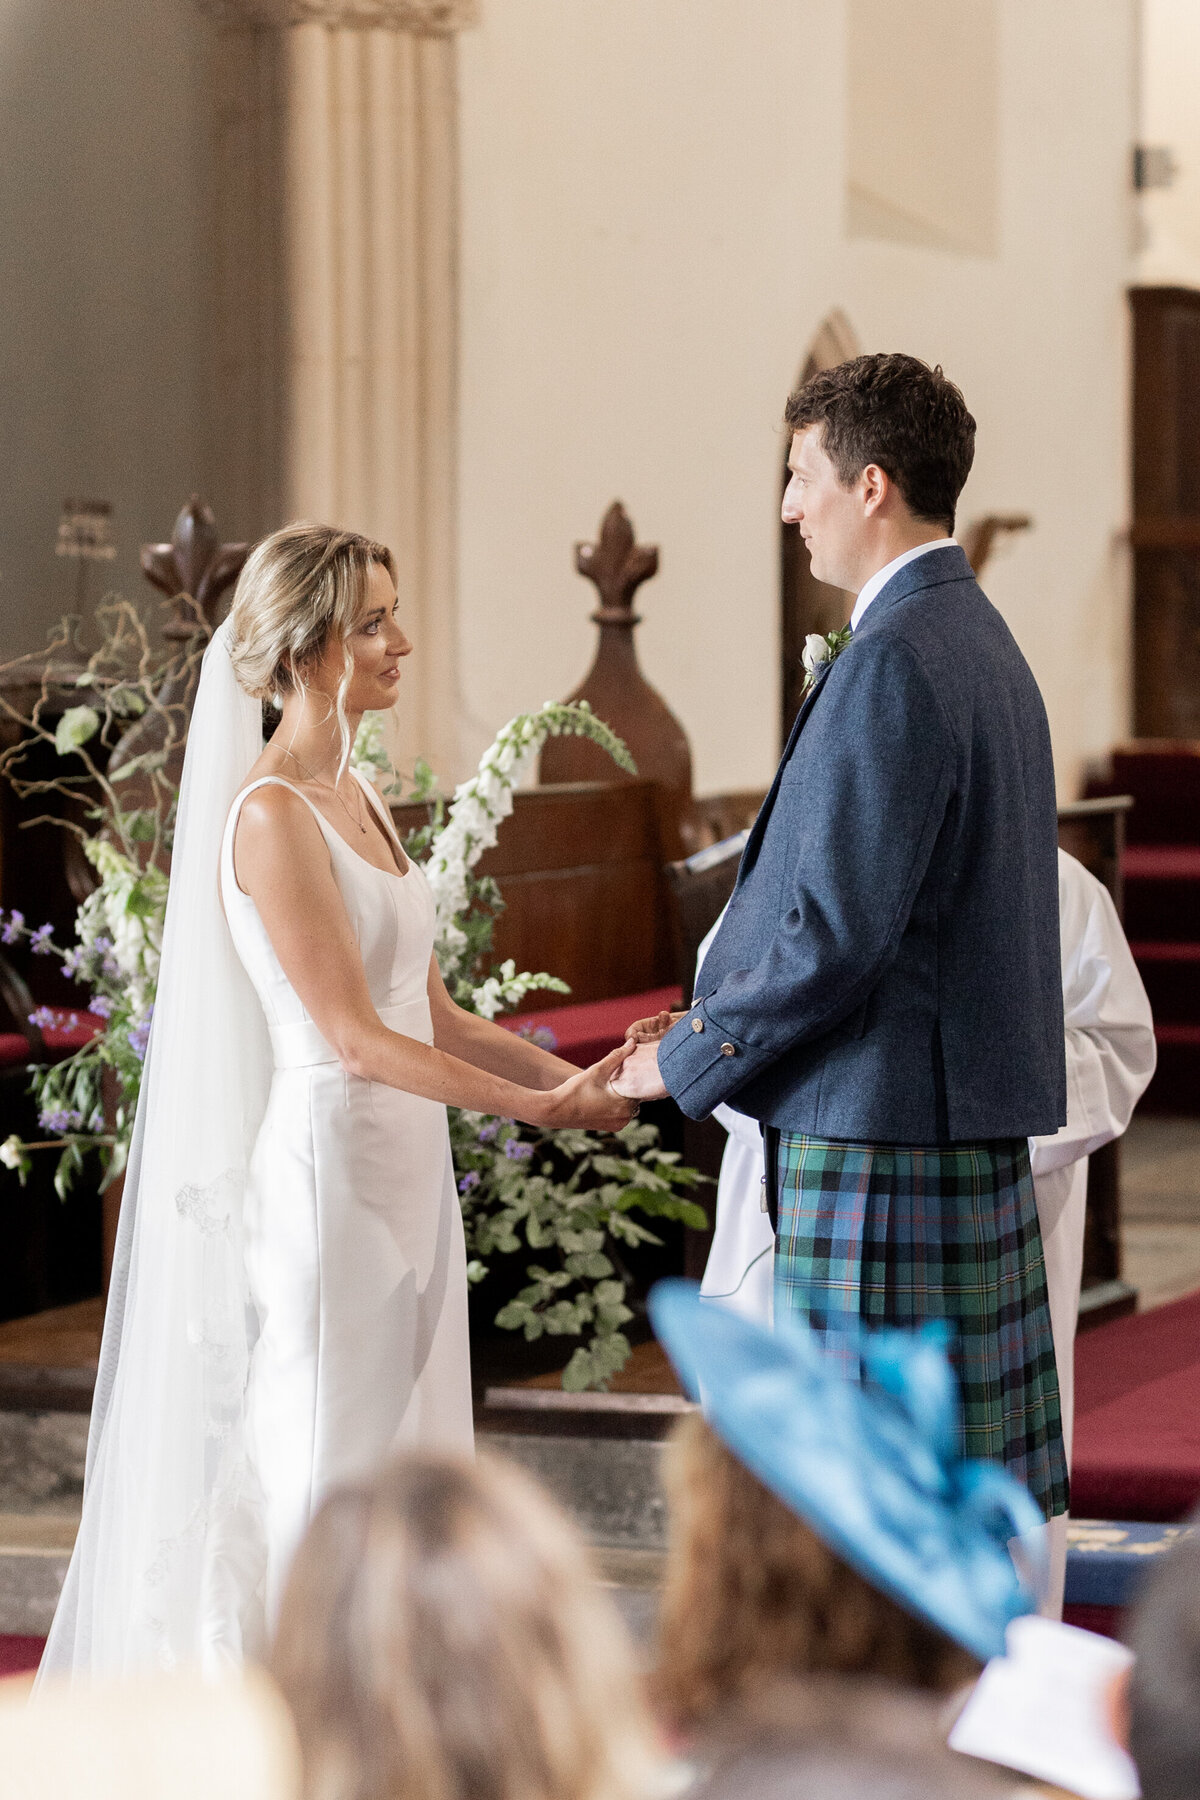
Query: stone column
pixel 336 307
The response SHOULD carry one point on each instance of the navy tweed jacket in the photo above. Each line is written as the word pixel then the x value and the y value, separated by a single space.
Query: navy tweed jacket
pixel 888 967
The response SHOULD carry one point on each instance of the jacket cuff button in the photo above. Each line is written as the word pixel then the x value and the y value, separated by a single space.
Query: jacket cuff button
pixel 728 1050
pixel 697 1024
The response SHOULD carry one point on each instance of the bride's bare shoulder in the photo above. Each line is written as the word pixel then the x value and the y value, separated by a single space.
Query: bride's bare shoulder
pixel 271 820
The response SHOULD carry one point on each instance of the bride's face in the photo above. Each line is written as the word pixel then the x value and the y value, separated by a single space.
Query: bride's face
pixel 378 647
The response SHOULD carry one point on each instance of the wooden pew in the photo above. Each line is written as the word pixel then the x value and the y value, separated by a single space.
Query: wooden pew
pixel 586 898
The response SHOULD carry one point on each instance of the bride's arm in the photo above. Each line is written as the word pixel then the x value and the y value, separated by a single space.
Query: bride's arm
pixel 282 861
pixel 490 1046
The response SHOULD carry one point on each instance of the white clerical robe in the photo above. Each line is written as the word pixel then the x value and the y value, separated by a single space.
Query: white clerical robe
pixel 1110 1058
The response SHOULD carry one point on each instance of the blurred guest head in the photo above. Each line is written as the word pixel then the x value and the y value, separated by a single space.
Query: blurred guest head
pixel 443 1638
pixel 823 1521
pixel 754 1596
pixel 1163 1699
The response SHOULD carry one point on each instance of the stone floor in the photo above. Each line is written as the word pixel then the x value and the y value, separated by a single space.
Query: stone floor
pixel 1160 1208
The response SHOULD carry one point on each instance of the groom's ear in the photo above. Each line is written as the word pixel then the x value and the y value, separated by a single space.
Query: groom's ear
pixel 874 487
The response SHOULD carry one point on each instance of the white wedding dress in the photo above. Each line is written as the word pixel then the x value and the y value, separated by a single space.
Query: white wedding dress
pixel 288 1299
pixel 353 1236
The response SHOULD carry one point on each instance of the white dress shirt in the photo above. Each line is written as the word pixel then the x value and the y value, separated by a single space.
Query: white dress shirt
pixel 880 580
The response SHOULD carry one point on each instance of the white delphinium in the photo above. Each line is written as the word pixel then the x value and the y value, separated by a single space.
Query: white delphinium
pixel 472 826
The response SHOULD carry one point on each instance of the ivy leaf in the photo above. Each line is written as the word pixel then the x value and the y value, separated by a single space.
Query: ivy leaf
pixel 591 1268
pixel 146 764
pixel 126 702
pixel 77 725
pixel 139 827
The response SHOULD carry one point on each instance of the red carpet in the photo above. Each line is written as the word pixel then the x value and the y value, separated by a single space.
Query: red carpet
pixel 1162 905
pixel 1137 1416
pixel 20 1655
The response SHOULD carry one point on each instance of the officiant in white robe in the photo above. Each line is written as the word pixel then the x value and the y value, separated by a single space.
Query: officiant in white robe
pixel 1110 1059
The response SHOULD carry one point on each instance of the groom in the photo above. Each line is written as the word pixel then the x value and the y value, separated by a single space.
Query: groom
pixel 883 995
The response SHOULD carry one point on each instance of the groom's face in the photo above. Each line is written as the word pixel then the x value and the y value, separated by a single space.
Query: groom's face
pixel 830 515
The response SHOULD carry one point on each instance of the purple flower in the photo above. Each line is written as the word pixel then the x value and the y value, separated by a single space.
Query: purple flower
pixel 70 962
pixel 541 1035
pixel 61 1120
pixel 489 1131
pixel 102 1006
pixel 40 940
pixel 139 1035
pixel 13 928
pixel 470 1180
pixel 44 1017
pixel 517 1151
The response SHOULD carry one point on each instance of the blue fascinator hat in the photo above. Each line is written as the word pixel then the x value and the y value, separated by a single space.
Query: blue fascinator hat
pixel 873 1466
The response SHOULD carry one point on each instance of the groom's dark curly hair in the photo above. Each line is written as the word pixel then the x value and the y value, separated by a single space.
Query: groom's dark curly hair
pixel 897 412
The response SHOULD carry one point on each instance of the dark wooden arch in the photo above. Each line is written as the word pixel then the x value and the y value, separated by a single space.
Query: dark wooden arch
pixel 806 604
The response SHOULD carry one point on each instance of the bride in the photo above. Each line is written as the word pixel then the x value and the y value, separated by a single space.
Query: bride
pixel 289 1295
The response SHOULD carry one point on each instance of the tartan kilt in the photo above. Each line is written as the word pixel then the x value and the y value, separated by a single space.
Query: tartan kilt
pixel 894 1235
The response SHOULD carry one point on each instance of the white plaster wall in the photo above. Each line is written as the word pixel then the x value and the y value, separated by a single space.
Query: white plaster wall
pixel 103 123
pixel 1170 116
pixel 653 229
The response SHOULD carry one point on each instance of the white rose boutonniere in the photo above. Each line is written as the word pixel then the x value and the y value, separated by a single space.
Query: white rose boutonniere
pixel 821 647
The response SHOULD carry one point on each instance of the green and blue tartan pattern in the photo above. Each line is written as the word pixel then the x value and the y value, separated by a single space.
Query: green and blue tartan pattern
pixel 894 1235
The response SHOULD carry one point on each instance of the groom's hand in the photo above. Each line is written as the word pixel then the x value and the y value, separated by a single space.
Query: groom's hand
pixel 638 1077
pixel 649 1031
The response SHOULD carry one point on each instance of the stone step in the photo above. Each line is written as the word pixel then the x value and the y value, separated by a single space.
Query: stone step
pixel 34 1552
pixel 610 1485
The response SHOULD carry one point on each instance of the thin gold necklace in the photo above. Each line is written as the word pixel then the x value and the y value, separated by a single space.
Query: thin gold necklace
pixel 332 786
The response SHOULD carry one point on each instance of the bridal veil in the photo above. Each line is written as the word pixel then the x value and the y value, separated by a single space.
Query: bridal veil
pixel 163 1571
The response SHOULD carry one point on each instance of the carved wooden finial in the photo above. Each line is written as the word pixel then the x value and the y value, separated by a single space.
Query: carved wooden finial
pixel 194 564
pixel 618 565
pixel 618 692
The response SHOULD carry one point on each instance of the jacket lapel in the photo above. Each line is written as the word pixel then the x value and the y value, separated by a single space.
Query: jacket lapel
pixel 764 811
pixel 931 570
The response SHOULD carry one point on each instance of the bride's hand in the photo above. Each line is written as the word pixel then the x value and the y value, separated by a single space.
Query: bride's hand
pixel 587 1102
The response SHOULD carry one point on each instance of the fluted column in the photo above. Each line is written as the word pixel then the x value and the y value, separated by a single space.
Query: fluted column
pixel 336 309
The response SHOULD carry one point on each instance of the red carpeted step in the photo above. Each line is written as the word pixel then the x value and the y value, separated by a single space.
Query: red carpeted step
pixel 1162 892
pixel 20 1655
pixel 1137 1416
pixel 1165 784
pixel 1171 973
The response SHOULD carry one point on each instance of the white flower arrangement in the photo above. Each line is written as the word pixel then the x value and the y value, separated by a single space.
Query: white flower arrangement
pixel 472 825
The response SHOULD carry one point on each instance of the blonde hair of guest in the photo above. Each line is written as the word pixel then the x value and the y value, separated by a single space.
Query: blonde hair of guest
pixel 753 1596
pixel 443 1637
pixel 300 587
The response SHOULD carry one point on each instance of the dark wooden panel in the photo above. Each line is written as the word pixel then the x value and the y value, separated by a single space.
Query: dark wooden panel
pixel 582 877
pixel 577 823
pixel 565 826
pixel 1167 636
pixel 1166 511
pixel 598 928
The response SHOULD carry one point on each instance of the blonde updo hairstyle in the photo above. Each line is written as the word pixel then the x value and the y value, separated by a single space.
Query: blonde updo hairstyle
pixel 300 587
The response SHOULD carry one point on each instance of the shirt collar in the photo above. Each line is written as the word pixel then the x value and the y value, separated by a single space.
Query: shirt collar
pixel 879 581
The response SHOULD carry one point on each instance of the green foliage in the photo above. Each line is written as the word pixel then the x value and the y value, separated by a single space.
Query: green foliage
pixel 567 1197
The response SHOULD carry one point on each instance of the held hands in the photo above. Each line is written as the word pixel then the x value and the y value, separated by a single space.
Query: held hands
pixel 590 1100
pixel 638 1076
